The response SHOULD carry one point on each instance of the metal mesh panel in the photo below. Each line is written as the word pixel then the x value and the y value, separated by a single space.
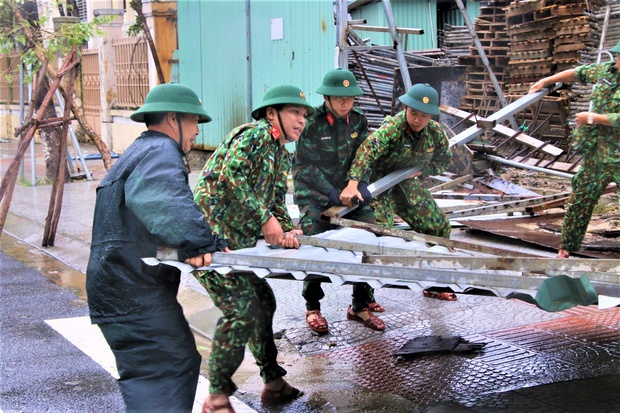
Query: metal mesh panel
pixel 132 72
pixel 91 88
pixel 9 86
pixel 4 84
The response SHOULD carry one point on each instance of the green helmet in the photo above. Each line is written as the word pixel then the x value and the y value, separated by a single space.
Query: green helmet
pixel 616 48
pixel 423 98
pixel 171 97
pixel 283 95
pixel 339 82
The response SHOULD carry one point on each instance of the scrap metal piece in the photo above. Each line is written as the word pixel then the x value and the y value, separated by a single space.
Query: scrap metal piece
pixel 437 344
pixel 506 112
pixel 505 206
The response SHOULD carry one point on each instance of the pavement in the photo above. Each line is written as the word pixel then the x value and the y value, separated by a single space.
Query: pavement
pixel 532 360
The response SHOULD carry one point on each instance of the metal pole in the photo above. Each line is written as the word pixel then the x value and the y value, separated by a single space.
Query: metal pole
pixel 526 166
pixel 430 20
pixel 78 150
pixel 402 62
pixel 600 48
pixel 248 58
pixel 341 31
pixel 485 61
pixel 33 164
pixel 21 111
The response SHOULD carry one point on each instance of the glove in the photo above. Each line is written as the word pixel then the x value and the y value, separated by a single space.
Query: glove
pixel 363 188
pixel 334 198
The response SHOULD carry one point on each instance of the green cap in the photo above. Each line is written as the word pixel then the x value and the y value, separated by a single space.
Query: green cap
pixel 616 48
pixel 423 98
pixel 283 95
pixel 339 82
pixel 171 97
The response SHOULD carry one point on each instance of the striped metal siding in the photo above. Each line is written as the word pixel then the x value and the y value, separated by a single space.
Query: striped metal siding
pixel 212 54
pixel 212 60
pixel 304 54
pixel 415 14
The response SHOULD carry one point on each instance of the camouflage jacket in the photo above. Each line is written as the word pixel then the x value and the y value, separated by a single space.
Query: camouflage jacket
pixel 600 143
pixel 244 183
pixel 324 154
pixel 394 146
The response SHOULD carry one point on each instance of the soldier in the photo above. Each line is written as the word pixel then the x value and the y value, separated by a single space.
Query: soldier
pixel 596 138
pixel 143 203
pixel 410 138
pixel 323 158
pixel 241 191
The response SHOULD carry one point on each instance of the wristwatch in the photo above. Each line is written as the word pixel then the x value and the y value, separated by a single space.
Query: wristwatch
pixel 590 119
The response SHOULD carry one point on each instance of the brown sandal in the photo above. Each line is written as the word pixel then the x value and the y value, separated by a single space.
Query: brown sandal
pixel 318 324
pixel 373 322
pixel 270 397
pixel 212 408
pixel 376 307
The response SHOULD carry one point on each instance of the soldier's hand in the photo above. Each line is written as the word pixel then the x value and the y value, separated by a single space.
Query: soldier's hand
pixel 537 86
pixel 290 241
pixel 350 192
pixel 272 231
pixel 203 260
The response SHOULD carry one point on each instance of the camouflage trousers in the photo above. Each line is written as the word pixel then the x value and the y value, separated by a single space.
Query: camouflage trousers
pixel 415 205
pixel 311 224
pixel 248 304
pixel 588 185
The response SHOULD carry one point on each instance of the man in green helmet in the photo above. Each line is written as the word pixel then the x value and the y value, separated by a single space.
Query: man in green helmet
pixel 241 190
pixel 324 154
pixel 143 203
pixel 410 138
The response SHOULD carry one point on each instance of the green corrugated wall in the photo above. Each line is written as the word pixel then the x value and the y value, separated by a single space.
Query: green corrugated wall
pixel 212 54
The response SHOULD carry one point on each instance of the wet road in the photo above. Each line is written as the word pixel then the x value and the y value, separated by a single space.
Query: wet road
pixel 41 370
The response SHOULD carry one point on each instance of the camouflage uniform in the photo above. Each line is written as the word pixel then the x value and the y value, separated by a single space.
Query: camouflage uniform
pixel 600 147
pixel 242 185
pixel 324 154
pixel 394 146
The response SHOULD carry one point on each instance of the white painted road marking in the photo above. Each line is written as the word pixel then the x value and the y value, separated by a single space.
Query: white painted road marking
pixel 88 338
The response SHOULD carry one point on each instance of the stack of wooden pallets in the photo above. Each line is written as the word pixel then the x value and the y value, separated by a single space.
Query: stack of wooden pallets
pixel 490 27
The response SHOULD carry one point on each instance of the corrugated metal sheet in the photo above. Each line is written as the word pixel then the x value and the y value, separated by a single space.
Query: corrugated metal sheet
pixel 213 54
pixel 341 266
